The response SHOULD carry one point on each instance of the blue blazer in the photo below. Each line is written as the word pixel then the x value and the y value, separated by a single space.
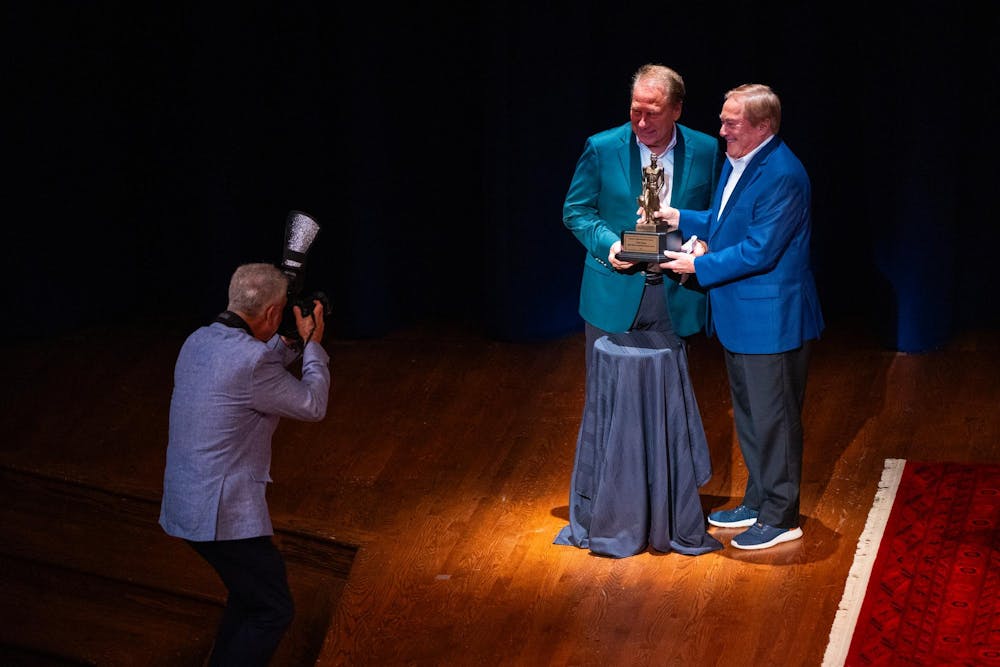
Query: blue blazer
pixel 761 291
pixel 601 203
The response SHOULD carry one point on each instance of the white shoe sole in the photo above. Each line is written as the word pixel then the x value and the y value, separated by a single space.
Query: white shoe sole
pixel 787 536
pixel 744 523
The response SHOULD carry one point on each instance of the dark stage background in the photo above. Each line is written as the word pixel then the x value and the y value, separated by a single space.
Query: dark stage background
pixel 155 146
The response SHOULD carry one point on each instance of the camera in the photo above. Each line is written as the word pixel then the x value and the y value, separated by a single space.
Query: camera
pixel 301 230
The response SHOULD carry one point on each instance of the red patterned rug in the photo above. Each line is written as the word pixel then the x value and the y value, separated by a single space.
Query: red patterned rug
pixel 924 588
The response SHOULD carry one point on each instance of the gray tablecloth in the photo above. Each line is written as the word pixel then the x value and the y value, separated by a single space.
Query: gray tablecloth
pixel 641 453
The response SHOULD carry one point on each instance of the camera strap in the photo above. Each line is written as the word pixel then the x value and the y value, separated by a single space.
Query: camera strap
pixel 231 319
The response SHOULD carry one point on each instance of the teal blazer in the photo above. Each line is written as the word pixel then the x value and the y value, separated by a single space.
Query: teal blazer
pixel 602 202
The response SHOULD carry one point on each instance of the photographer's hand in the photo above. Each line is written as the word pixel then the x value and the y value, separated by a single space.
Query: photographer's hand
pixel 312 325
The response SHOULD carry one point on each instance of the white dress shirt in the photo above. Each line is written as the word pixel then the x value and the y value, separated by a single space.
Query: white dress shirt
pixel 739 166
pixel 665 160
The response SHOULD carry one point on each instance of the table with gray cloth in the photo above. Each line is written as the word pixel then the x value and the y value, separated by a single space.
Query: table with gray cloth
pixel 641 453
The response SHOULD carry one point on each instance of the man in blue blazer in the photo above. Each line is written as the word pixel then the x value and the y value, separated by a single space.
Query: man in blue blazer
pixel 763 306
pixel 618 296
pixel 231 388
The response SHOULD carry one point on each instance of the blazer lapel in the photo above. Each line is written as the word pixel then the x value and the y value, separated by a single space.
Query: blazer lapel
pixel 750 174
pixel 727 169
pixel 682 166
pixel 631 164
pixel 715 217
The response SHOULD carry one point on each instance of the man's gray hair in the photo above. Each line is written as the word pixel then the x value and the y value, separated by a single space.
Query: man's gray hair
pixel 760 104
pixel 254 287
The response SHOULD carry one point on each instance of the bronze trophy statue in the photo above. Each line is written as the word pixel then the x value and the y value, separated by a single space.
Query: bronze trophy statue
pixel 652 237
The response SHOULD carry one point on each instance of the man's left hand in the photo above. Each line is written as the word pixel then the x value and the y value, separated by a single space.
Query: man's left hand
pixel 678 262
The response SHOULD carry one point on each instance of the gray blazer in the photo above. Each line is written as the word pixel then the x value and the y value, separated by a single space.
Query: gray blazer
pixel 230 390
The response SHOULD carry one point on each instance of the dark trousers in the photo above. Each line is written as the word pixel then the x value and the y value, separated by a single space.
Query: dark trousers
pixel 259 608
pixel 768 392
pixel 652 316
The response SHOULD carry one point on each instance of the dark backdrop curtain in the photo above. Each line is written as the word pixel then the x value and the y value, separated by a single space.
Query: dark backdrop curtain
pixel 154 148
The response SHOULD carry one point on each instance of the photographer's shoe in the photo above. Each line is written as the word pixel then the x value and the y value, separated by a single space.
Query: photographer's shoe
pixel 761 536
pixel 738 517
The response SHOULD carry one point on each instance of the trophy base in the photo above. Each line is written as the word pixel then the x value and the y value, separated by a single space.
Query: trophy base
pixel 648 246
pixel 641 257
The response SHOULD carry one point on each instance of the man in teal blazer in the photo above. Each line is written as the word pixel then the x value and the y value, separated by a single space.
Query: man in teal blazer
pixel 619 296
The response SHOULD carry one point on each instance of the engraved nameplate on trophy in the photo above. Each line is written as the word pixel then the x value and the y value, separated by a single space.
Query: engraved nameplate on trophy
pixel 652 237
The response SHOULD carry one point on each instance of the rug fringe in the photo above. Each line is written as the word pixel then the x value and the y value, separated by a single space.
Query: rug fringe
pixel 861 568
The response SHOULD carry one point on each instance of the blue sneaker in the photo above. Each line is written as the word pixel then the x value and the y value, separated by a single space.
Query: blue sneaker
pixel 761 536
pixel 738 517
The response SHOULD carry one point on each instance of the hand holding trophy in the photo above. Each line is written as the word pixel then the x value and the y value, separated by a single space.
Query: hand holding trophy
pixel 652 235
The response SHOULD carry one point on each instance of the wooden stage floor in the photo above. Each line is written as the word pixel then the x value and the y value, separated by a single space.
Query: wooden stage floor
pixel 446 458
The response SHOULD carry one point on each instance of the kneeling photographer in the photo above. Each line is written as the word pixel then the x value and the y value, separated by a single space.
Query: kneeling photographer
pixel 231 387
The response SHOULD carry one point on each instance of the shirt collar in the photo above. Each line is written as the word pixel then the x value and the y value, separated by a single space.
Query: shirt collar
pixel 644 149
pixel 741 162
